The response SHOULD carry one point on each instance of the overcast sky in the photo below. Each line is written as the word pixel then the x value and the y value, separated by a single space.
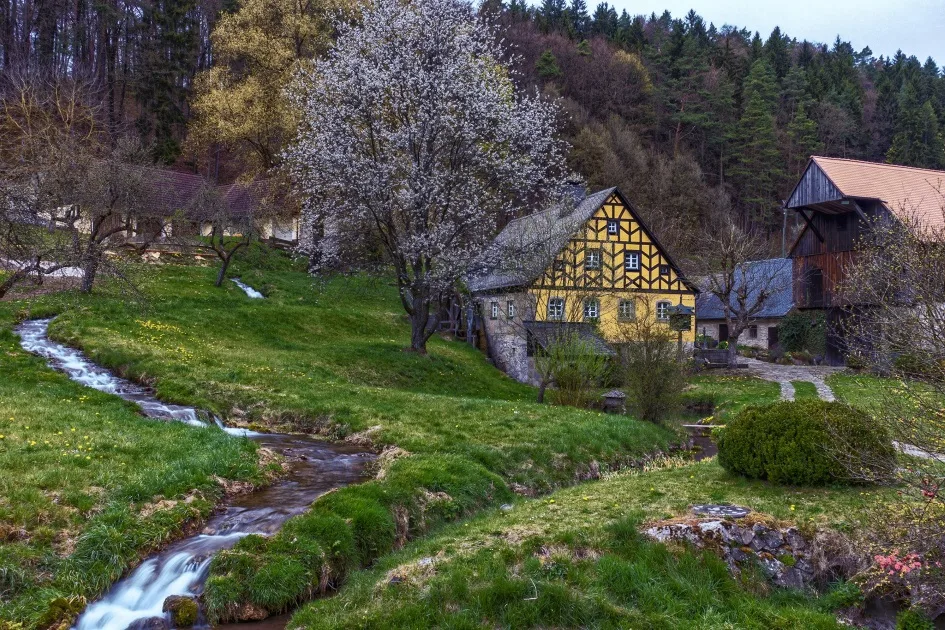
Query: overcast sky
pixel 915 26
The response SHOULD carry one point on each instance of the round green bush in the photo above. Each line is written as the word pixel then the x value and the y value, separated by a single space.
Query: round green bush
pixel 808 442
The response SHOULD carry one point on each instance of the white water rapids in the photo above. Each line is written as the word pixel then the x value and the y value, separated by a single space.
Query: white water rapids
pixel 248 290
pixel 136 601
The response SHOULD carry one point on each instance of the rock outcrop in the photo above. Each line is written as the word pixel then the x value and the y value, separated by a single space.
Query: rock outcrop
pixel 783 554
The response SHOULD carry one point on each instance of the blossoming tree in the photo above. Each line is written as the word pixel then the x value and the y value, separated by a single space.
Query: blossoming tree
pixel 413 131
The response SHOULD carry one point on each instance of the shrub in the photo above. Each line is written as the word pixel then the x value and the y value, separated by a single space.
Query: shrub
pixel 913 620
pixel 652 370
pixel 803 331
pixel 809 442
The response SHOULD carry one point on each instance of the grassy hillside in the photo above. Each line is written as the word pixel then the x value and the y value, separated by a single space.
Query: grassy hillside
pixel 82 476
pixel 315 357
pixel 328 356
pixel 574 559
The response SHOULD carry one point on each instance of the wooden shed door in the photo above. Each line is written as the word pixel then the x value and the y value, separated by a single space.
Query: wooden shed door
pixel 772 337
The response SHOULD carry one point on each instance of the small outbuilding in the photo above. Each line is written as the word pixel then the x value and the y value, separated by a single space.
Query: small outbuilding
pixel 763 329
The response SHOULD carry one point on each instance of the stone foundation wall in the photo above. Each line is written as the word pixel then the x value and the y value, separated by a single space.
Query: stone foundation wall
pixel 712 330
pixel 506 335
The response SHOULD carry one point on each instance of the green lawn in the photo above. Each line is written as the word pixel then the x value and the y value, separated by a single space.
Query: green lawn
pixel 327 357
pixel 804 390
pixel 574 559
pixel 730 393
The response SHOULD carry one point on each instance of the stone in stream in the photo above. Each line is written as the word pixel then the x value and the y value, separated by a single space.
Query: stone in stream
pixel 149 623
pixel 183 610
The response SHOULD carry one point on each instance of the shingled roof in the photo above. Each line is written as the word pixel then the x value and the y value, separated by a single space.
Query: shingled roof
pixel 175 191
pixel 545 333
pixel 775 273
pixel 908 192
pixel 524 249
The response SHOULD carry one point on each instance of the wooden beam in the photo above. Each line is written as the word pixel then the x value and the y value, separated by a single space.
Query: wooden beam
pixel 860 212
pixel 810 223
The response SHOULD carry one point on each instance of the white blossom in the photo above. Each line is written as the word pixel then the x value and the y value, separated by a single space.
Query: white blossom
pixel 413 129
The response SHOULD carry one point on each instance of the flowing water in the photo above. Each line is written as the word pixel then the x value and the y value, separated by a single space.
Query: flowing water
pixel 248 290
pixel 315 467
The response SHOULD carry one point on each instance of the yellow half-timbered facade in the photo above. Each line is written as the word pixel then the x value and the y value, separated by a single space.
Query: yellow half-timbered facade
pixel 596 266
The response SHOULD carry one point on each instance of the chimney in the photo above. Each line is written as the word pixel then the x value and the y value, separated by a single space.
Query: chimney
pixel 572 194
pixel 576 188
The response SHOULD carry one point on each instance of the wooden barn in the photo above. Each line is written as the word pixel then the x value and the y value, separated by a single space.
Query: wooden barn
pixel 838 199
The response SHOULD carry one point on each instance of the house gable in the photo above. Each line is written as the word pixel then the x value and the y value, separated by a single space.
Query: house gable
pixel 814 187
pixel 595 256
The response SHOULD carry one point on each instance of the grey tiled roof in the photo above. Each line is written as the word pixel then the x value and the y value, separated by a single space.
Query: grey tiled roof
pixel 544 333
pixel 525 248
pixel 709 306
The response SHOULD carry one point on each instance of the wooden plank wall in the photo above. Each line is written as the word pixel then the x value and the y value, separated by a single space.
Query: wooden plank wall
pixel 815 187
pixel 835 240
pixel 832 266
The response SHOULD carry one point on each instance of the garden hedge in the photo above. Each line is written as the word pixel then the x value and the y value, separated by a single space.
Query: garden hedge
pixel 809 442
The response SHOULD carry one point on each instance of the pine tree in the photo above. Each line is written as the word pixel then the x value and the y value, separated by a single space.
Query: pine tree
pixel 547 66
pixel 918 140
pixel 579 18
pixel 803 142
pixel 757 169
pixel 776 53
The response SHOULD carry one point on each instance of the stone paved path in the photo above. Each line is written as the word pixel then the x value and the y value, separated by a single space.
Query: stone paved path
pixel 784 374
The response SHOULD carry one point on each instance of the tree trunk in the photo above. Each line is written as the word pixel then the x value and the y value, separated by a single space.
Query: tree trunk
pixel 9 283
pixel 422 322
pixel 89 271
pixel 541 391
pixel 224 265
pixel 732 351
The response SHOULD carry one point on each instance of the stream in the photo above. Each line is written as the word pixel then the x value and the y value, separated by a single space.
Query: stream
pixel 315 467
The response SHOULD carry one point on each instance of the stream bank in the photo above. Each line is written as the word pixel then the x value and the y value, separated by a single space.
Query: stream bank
pixel 314 468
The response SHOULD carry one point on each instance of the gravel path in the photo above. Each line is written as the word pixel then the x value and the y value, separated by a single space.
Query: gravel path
pixel 784 374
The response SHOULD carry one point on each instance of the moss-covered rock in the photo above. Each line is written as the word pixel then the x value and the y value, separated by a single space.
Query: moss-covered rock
pixel 183 610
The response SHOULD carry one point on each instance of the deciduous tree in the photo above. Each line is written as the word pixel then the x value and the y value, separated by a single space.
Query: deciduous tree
pixel 412 128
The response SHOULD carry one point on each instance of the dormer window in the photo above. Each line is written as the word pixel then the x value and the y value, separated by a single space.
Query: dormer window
pixel 631 261
pixel 613 227
pixel 592 259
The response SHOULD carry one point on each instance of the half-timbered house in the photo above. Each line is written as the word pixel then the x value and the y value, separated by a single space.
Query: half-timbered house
pixel 591 266
pixel 838 199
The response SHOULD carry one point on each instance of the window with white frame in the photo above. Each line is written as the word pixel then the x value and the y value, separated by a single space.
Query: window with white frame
pixel 662 310
pixel 613 227
pixel 510 309
pixel 752 332
pixel 591 308
pixel 631 261
pixel 556 308
pixel 592 259
pixel 626 310
pixel 494 310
